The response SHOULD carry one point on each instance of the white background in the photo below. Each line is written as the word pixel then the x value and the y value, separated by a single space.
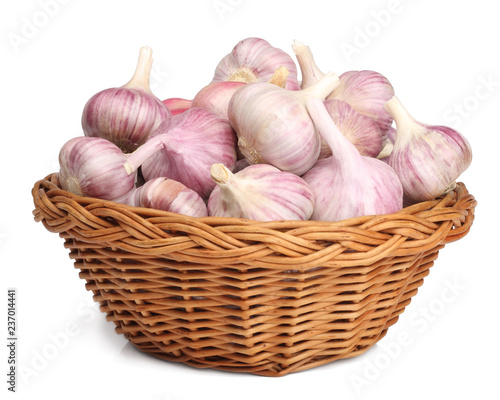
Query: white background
pixel 443 59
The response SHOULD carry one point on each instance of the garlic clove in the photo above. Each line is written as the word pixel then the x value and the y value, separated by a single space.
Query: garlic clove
pixel 347 184
pixel 177 105
pixel 367 92
pixel 259 192
pixel 128 114
pixel 427 158
pixel 273 125
pixel 184 147
pixel 255 60
pixel 361 130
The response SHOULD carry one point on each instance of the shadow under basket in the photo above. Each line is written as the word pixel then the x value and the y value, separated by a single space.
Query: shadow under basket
pixel 267 298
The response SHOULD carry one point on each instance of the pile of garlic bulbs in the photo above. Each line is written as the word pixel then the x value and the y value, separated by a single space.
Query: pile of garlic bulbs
pixel 257 143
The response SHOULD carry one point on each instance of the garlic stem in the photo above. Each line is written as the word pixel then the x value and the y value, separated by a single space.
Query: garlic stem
pixel 142 73
pixel 406 125
pixel 322 88
pixel 386 150
pixel 220 174
pixel 137 158
pixel 343 151
pixel 280 76
pixel 310 71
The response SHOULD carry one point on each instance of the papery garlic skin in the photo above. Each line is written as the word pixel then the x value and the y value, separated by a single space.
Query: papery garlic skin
pixel 260 192
pixel 177 105
pixel 184 147
pixel 347 184
pixel 169 195
pixel 255 60
pixel 367 92
pixel 427 158
pixel 273 125
pixel 362 131
pixel 94 167
pixel 128 114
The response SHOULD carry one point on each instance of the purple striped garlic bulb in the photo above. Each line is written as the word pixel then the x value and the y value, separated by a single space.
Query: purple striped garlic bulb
pixel 362 131
pixel 273 125
pixel 184 147
pixel 427 158
pixel 255 60
pixel 347 184
pixel 366 91
pixel 177 105
pixel 169 195
pixel 259 192
pixel 216 97
pixel 92 166
pixel 126 115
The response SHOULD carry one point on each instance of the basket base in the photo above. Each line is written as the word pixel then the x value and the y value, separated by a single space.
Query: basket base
pixel 268 369
pixel 260 340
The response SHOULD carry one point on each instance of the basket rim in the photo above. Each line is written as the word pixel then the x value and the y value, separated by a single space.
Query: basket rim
pixel 451 199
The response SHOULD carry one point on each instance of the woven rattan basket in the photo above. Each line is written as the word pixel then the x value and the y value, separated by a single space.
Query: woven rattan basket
pixel 265 298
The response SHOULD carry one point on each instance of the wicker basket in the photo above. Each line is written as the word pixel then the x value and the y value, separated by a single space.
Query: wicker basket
pixel 232 294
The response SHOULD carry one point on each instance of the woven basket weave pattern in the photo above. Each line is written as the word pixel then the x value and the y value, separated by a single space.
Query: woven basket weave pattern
pixel 269 298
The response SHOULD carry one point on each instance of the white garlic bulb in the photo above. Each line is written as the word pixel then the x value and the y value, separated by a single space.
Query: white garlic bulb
pixel 347 184
pixel 362 131
pixel 367 92
pixel 168 195
pixel 259 192
pixel 427 158
pixel 273 125
pixel 184 147
pixel 255 60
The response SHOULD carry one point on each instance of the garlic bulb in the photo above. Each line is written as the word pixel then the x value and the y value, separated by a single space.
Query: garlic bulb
pixel 259 192
pixel 91 166
pixel 361 130
pixel 367 92
pixel 427 158
pixel 216 96
pixel 177 105
pixel 273 125
pixel 184 147
pixel 255 60
pixel 169 195
pixel 128 114
pixel 348 184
